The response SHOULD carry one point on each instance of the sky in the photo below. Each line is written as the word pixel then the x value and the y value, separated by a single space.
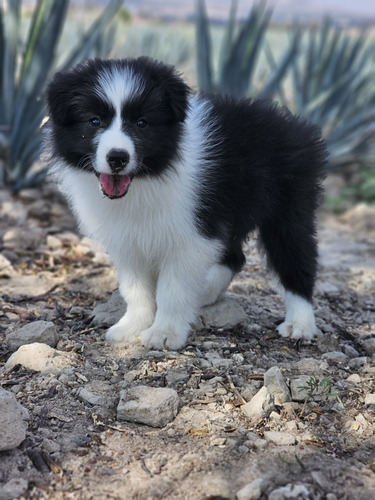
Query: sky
pixel 285 8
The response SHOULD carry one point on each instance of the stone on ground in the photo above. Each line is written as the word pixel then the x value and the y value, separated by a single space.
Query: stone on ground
pixel 154 406
pixel 251 491
pixel 275 383
pixel 14 421
pixel 292 491
pixel 280 438
pixel 98 392
pixel 14 488
pixel 43 332
pixel 260 406
pixel 225 313
pixel 108 313
pixel 40 358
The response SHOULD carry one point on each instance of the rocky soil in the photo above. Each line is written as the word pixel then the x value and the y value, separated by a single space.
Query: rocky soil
pixel 238 413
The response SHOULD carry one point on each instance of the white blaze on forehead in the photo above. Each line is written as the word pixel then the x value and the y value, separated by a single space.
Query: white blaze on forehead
pixel 118 85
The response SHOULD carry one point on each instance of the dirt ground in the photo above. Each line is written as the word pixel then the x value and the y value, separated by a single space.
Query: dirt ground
pixel 321 448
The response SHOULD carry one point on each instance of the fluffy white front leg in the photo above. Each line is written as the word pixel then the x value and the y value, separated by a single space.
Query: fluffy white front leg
pixel 299 320
pixel 138 291
pixel 178 298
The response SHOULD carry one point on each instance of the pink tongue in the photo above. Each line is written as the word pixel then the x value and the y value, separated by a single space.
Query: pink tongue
pixel 114 186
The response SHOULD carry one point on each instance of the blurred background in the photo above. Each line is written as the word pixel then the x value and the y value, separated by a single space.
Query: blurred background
pixel 316 57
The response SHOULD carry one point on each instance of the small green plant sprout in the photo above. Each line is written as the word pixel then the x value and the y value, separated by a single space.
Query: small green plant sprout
pixel 318 387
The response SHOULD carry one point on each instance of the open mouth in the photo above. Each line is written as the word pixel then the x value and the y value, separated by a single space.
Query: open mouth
pixel 114 186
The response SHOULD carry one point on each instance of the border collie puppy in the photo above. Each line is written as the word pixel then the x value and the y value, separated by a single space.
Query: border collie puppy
pixel 172 183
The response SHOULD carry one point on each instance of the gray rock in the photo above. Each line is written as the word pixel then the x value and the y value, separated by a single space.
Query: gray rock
pixel 238 359
pixel 225 313
pixel 21 237
pixel 350 351
pixel 321 479
pixel 108 313
pixel 177 376
pixel 41 358
pixel 38 331
pixel 370 399
pixel 354 378
pixel 369 346
pixel 257 443
pixel 294 491
pixel 276 385
pixel 355 363
pixel 248 391
pixel 260 406
pixel 14 488
pixel 216 360
pixel 311 366
pixel 50 445
pixel 299 394
pixel 327 343
pixel 98 392
pixel 154 406
pixel 53 243
pixel 254 441
pixel 335 357
pixel 6 268
pixel 280 438
pixel 331 496
pixel 251 491
pixel 14 421
pixel 326 287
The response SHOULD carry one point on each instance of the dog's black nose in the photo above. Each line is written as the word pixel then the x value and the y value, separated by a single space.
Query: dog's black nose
pixel 117 159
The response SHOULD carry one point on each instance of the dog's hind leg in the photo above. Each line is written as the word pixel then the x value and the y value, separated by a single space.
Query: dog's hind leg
pixel 291 251
pixel 217 279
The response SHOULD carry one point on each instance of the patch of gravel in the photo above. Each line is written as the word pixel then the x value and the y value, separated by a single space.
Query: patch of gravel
pixel 239 413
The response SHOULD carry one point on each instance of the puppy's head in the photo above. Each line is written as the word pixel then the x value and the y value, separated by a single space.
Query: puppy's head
pixel 118 119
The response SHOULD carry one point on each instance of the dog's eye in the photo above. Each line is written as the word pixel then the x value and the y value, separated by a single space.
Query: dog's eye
pixel 95 122
pixel 142 123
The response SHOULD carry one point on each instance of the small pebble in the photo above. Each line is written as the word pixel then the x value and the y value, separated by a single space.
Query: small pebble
pixel 354 378
pixel 370 399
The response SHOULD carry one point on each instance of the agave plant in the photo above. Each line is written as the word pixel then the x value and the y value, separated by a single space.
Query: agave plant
pixel 239 54
pixel 24 69
pixel 171 45
pixel 333 85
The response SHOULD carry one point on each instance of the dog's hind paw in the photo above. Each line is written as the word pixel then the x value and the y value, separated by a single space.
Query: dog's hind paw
pixel 300 321
pixel 304 331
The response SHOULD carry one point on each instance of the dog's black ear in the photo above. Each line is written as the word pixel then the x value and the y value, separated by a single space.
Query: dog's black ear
pixel 168 84
pixel 178 95
pixel 61 93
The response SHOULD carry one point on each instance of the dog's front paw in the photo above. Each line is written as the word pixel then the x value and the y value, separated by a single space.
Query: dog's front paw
pixel 299 330
pixel 118 334
pixel 128 329
pixel 155 338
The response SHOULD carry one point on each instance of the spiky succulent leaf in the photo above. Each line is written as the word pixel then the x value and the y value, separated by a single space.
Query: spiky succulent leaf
pixel 204 50
pixel 23 74
pixel 333 86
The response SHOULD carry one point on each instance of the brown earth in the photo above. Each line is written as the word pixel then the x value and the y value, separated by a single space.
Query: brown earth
pixel 211 450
